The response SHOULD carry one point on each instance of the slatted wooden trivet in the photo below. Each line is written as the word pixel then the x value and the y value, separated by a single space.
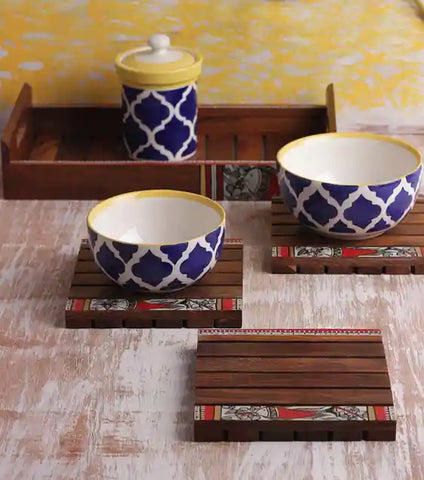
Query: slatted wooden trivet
pixel 284 385
pixel 94 301
pixel 296 249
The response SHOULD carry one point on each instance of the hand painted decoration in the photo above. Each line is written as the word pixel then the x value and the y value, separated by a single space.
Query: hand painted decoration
pixel 162 268
pixel 255 413
pixel 159 100
pixel 349 185
pixel 156 240
pixel 347 252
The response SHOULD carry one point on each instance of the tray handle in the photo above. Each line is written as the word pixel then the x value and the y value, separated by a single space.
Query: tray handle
pixel 18 133
pixel 331 108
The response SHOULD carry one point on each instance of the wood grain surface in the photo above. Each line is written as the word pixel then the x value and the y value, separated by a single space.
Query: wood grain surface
pixel 75 152
pixel 115 404
pixel 94 301
pixel 230 408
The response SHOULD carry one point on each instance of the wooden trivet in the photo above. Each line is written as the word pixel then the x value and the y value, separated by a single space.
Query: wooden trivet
pixel 284 385
pixel 94 301
pixel 296 249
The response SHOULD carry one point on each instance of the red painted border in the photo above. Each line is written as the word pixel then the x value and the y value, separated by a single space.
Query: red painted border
pixel 351 331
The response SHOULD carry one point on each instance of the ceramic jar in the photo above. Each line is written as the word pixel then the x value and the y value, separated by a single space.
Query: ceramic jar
pixel 159 100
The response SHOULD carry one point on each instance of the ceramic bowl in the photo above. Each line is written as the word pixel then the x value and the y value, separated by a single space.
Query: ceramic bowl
pixel 156 240
pixel 349 185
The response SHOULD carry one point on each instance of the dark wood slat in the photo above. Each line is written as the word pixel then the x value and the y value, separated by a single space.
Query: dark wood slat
pixel 369 270
pixel 273 143
pixel 293 396
pixel 212 118
pixel 107 322
pixel 201 148
pixel 73 148
pixel 250 147
pixel 293 380
pixel 311 269
pixel 251 338
pixel 82 180
pixel 266 349
pixel 45 147
pixel 283 218
pixel 213 278
pixel 220 147
pixel 105 148
pixel 270 364
pixel 195 291
pixel 226 322
pixel 336 269
pixel 287 126
pixel 139 318
pixel 222 378
pixel 295 430
pixel 398 269
pixel 242 433
pixel 355 264
pixel 418 207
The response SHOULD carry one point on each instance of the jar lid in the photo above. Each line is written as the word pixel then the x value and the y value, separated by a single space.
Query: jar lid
pixel 158 65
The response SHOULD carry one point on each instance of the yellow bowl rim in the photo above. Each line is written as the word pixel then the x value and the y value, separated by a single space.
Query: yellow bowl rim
pixel 375 136
pixel 99 207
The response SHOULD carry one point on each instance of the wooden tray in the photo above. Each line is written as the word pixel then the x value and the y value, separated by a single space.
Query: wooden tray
pixel 94 301
pixel 284 385
pixel 296 249
pixel 70 152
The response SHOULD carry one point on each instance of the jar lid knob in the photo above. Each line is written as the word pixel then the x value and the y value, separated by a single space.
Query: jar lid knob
pixel 159 43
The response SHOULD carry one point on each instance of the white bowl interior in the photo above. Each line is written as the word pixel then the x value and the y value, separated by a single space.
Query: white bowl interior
pixel 157 219
pixel 349 160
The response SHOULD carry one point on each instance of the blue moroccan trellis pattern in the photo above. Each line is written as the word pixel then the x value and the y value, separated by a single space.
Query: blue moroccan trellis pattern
pixel 160 124
pixel 165 268
pixel 349 210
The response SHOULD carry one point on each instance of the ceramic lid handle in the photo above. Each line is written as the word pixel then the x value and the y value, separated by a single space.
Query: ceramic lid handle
pixel 159 43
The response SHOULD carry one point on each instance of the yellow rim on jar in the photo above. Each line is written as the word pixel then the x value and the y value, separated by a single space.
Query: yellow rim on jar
pixel 158 75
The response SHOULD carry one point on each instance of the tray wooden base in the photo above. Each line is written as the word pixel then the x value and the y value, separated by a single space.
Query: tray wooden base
pixel 71 152
pixel 285 385
pixel 296 249
pixel 94 301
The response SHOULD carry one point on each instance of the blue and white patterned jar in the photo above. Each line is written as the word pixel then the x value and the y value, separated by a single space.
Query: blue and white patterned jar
pixel 349 185
pixel 159 100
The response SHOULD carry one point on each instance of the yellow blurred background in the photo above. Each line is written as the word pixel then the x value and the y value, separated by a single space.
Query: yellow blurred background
pixel 267 51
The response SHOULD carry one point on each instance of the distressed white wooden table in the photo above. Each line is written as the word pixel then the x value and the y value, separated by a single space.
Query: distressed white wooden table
pixel 117 404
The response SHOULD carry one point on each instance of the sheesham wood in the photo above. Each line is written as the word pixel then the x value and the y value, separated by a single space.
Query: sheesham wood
pixel 119 402
pixel 286 389
pixel 94 301
pixel 74 152
pixel 293 247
